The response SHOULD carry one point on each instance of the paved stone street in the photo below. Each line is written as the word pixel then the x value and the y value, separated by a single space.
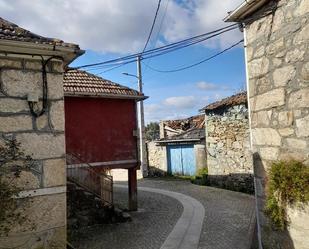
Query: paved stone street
pixel 228 221
pixel 149 228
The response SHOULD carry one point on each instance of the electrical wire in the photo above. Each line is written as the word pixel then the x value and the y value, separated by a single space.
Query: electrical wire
pixel 110 69
pixel 170 50
pixel 162 20
pixel 117 65
pixel 195 64
pixel 45 88
pixel 174 48
pixel 152 26
pixel 164 52
pixel 175 45
pixel 160 27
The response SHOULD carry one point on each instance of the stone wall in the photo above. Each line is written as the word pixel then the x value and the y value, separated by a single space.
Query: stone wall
pixel 229 159
pixel 157 161
pixel 278 69
pixel 43 139
pixel 157 157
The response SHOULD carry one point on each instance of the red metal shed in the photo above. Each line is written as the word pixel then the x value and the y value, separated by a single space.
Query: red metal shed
pixel 101 124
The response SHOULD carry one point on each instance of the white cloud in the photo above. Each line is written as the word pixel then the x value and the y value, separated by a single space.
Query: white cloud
pixel 202 85
pixel 119 26
pixel 157 112
pixel 174 108
pixel 183 102
pixel 207 86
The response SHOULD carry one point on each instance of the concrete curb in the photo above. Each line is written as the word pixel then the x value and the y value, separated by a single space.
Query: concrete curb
pixel 186 233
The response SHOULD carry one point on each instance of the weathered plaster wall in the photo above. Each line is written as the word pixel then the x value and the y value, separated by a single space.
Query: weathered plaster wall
pixel 229 159
pixel 278 69
pixel 43 139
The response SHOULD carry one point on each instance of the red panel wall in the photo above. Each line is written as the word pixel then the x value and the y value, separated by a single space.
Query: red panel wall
pixel 100 130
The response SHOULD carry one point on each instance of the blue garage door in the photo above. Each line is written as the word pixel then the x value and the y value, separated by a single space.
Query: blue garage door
pixel 181 159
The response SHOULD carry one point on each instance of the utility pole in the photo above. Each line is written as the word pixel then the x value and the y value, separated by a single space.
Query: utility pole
pixel 143 155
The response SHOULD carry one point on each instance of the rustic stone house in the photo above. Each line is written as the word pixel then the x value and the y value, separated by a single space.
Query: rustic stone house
pixel 31 76
pixel 276 36
pixel 180 149
pixel 229 159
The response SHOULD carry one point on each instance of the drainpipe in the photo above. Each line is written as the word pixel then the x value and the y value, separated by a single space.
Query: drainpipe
pixel 251 142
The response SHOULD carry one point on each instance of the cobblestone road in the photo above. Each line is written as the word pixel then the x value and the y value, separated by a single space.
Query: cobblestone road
pixel 229 215
pixel 228 221
pixel 149 228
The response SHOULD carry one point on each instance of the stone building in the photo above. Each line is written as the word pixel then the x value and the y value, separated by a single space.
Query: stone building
pixel 180 149
pixel 276 35
pixel 31 75
pixel 229 159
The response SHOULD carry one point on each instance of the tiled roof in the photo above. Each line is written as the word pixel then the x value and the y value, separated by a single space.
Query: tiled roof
pixel 192 134
pixel 78 82
pixel 237 99
pixel 187 123
pixel 11 31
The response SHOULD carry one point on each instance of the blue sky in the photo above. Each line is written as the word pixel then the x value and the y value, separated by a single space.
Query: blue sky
pixel 191 89
pixel 112 28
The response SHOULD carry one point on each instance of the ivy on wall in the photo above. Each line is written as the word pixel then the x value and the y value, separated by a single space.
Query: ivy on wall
pixel 288 185
pixel 12 162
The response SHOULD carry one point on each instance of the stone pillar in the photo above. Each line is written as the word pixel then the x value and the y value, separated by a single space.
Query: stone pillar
pixel 200 155
pixel 162 132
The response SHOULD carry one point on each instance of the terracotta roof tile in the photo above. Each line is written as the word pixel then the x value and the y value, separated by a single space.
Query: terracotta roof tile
pixel 195 133
pixel 11 31
pixel 78 82
pixel 187 123
pixel 237 99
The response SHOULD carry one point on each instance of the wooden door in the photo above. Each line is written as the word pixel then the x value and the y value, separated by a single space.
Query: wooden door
pixel 181 159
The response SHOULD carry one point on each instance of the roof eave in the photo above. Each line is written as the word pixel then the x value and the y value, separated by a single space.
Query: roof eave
pixel 103 95
pixel 178 140
pixel 19 47
pixel 245 9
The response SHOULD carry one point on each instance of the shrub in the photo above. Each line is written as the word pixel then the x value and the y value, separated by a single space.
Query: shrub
pixel 288 185
pixel 201 177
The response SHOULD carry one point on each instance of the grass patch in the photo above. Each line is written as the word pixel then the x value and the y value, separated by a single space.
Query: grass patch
pixel 288 185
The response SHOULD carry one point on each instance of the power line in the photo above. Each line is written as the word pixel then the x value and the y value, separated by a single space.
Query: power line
pixel 174 48
pixel 164 51
pixel 152 26
pixel 160 27
pixel 110 69
pixel 117 65
pixel 159 50
pixel 195 64
pixel 162 20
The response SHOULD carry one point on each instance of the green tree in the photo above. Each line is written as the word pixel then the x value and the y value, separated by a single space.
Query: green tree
pixel 152 131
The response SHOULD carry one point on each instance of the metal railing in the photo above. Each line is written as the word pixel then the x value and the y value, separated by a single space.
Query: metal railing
pixel 82 174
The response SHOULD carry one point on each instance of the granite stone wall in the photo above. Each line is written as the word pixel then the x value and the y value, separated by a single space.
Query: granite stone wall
pixel 157 161
pixel 229 159
pixel 278 69
pixel 43 139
